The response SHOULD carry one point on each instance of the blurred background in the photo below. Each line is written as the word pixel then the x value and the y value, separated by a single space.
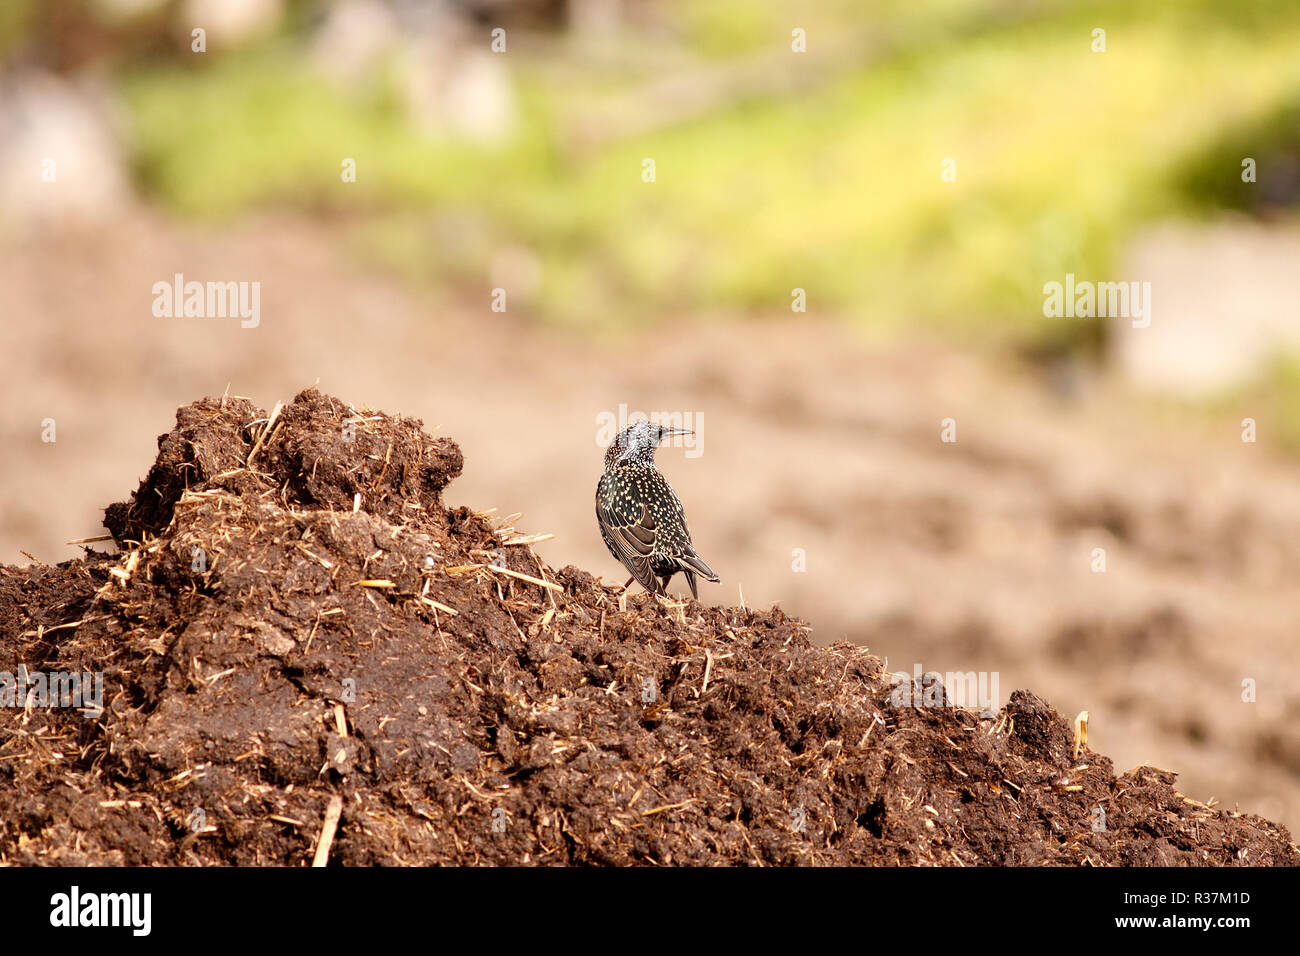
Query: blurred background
pixel 821 233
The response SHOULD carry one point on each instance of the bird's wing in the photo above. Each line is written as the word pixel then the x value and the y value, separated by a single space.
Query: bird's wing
pixel 688 560
pixel 634 542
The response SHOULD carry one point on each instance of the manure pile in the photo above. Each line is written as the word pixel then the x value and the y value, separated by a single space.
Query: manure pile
pixel 300 643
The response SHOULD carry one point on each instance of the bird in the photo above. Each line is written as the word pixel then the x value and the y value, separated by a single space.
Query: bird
pixel 641 517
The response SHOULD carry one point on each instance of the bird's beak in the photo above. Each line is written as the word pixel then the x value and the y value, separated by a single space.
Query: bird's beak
pixel 665 432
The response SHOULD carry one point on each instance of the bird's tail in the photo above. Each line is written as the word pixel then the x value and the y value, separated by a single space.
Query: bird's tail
pixel 697 564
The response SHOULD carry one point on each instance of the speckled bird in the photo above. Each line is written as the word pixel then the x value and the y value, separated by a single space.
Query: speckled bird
pixel 641 518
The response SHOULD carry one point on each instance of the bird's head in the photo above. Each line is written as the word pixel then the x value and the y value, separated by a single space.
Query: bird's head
pixel 636 444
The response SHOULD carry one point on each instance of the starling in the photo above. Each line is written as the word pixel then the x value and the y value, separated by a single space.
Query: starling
pixel 641 518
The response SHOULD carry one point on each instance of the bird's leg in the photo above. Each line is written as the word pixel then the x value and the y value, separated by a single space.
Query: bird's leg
pixel 622 593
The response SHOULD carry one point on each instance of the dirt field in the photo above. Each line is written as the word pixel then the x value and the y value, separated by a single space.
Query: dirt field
pixel 306 654
pixel 973 556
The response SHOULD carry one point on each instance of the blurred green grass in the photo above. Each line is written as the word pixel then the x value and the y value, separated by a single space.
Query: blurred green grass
pixel 1060 155
pixel 1279 395
pixel 16 19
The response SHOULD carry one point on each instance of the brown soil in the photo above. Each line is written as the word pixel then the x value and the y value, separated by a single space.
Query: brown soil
pixel 250 676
